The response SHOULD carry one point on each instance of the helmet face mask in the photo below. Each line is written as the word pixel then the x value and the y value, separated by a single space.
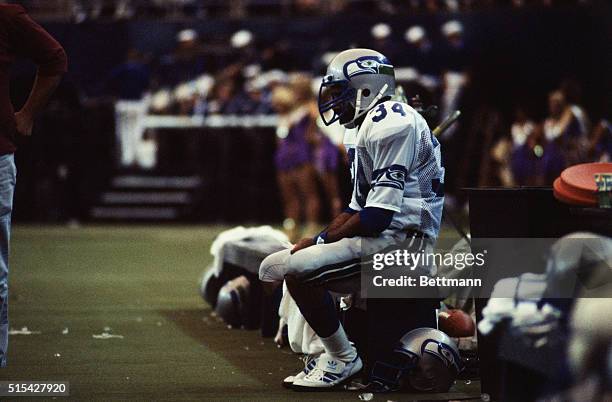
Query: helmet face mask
pixel 337 97
pixel 425 359
pixel 356 80
pixel 388 375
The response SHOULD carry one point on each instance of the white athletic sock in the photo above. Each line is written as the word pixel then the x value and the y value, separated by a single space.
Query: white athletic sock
pixel 338 346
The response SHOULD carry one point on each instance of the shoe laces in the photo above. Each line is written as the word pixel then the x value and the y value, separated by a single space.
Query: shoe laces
pixel 307 359
pixel 315 374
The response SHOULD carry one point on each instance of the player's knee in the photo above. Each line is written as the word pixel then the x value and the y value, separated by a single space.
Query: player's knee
pixel 302 262
pixel 273 268
pixel 265 268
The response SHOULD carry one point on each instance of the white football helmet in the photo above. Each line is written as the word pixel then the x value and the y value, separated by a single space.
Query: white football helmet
pixel 355 81
pixel 232 301
pixel 425 359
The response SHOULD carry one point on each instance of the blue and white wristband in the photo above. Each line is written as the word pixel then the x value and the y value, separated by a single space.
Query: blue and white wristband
pixel 321 238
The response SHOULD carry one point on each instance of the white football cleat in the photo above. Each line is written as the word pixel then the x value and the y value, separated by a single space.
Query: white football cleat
pixel 310 362
pixel 328 373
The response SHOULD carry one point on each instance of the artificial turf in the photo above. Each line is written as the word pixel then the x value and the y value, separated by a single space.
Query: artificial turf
pixel 140 282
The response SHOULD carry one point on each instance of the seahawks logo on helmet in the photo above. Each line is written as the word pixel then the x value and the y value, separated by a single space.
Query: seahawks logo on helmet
pixel 367 65
pixel 443 352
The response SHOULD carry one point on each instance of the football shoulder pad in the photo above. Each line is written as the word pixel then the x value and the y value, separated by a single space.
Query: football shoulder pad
pixel 388 120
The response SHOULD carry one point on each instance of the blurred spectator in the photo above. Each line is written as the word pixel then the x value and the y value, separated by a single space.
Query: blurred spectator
pixel 566 140
pixel 383 42
pixel 185 63
pixel 521 129
pixel 185 98
pixel 573 94
pixel 253 99
pixel 272 55
pixel 279 55
pixel 124 9
pixel 161 101
pixel 562 121
pixel 452 6
pixel 455 76
pixel 129 127
pixel 221 97
pixel 131 79
pixel 600 142
pixel 82 10
pixel 457 141
pixel 295 171
pixel 501 154
pixel 421 55
pixel 325 153
pixel 243 48
pixel 546 151
pixel 505 149
pixel 528 164
pixel 129 82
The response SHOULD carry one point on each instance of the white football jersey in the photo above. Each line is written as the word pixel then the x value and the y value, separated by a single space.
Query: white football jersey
pixel 396 165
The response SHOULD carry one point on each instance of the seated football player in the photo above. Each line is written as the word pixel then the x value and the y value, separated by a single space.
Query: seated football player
pixel 397 195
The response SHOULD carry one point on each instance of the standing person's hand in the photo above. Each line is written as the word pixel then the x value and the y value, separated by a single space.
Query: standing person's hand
pixel 24 122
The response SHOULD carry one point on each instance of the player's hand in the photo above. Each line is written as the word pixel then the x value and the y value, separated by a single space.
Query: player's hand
pixel 24 122
pixel 304 243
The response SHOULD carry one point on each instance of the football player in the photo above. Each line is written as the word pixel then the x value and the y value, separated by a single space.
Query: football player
pixel 397 195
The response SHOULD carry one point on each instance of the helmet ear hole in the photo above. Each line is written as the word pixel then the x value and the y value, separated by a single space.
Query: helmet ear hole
pixel 366 92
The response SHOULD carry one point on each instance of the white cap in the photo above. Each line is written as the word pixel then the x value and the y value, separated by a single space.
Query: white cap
pixel 452 27
pixel 186 35
pixel 380 31
pixel 275 76
pixel 241 39
pixel 251 70
pixel 203 84
pixel 161 100
pixel 414 34
pixel 259 83
pixel 184 91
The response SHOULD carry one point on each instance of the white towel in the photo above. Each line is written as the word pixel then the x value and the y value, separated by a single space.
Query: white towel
pixel 516 298
pixel 238 233
pixel 302 338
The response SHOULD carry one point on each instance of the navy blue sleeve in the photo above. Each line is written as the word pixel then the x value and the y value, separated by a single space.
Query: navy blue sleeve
pixel 349 210
pixel 375 220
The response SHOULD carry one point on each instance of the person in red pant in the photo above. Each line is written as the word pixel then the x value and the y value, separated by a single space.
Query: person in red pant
pixel 20 37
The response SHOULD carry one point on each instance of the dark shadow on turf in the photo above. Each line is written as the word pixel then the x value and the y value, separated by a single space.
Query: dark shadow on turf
pixel 261 360
pixel 244 349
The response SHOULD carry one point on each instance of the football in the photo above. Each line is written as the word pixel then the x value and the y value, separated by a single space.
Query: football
pixel 456 323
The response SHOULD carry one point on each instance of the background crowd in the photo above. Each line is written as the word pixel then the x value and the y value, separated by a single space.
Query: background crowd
pixel 82 10
pixel 521 72
pixel 521 149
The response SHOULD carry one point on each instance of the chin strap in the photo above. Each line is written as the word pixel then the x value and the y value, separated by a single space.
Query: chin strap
pixel 357 105
pixel 358 112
